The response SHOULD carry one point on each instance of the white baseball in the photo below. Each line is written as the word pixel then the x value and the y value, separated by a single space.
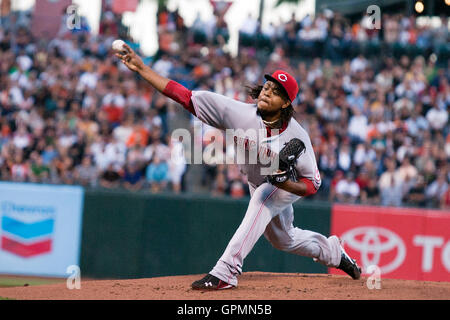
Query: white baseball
pixel 117 45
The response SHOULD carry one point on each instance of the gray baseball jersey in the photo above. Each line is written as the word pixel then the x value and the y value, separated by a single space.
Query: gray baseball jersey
pixel 226 113
pixel 270 210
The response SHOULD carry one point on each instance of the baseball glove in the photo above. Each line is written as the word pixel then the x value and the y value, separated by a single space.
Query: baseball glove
pixel 288 156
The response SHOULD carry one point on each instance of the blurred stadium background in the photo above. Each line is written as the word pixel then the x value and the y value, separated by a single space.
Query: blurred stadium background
pixel 86 168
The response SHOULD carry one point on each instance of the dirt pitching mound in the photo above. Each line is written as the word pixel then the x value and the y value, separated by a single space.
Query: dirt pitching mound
pixel 252 286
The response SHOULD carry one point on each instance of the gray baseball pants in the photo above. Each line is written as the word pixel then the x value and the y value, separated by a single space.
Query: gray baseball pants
pixel 270 212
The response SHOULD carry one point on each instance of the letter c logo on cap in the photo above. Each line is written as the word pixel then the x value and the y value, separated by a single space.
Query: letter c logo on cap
pixel 282 77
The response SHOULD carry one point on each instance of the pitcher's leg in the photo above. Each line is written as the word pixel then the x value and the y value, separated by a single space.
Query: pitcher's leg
pixel 259 214
pixel 284 236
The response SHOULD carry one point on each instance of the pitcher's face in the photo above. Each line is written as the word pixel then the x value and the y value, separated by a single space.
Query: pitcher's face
pixel 270 100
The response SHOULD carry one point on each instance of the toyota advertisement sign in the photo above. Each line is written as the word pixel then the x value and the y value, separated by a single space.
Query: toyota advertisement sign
pixel 402 243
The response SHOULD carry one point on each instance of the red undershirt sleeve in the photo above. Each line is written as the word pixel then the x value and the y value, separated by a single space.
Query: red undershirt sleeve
pixel 180 94
pixel 310 188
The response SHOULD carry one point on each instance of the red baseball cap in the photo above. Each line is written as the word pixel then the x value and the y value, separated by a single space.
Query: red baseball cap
pixel 286 81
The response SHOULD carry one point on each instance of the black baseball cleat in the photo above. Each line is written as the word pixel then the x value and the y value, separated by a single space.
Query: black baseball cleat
pixel 349 266
pixel 210 282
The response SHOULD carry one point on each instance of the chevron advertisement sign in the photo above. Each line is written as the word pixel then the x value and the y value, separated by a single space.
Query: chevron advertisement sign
pixel 26 230
pixel 40 228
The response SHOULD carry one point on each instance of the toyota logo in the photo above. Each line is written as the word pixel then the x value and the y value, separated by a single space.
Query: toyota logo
pixel 282 77
pixel 372 243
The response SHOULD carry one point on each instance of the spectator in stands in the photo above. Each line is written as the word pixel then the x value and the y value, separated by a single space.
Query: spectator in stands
pixel 123 131
pixel 437 117
pixel 407 173
pixel 436 190
pixel 362 178
pixel 110 178
pixel 416 195
pixel 39 173
pixel 370 194
pixel 416 123
pixel 357 100
pixel 163 66
pixel 157 148
pixel 429 171
pixel 65 168
pixel 362 154
pixel 328 163
pixel 445 200
pixel 347 190
pixel 236 189
pixel 390 186
pixel 86 173
pixel 132 178
pixel 20 168
pixel 21 138
pixel 357 127
pixel 345 157
pixel 157 174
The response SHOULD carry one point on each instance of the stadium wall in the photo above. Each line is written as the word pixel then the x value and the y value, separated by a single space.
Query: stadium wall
pixel 134 235
pixel 116 234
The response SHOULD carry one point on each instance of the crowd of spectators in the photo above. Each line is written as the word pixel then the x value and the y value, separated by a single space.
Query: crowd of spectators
pixel 71 113
pixel 332 36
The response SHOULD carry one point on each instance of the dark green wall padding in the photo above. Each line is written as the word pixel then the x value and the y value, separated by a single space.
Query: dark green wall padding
pixel 139 235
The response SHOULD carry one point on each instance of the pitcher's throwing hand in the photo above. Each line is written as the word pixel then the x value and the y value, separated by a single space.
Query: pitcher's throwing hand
pixel 130 58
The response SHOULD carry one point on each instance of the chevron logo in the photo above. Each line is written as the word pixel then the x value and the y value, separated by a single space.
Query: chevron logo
pixel 26 230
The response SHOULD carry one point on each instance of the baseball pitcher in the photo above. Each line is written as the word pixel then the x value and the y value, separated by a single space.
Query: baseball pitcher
pixel 273 188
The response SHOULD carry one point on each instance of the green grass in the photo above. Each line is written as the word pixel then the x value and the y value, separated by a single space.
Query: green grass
pixel 6 282
pixel 6 298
